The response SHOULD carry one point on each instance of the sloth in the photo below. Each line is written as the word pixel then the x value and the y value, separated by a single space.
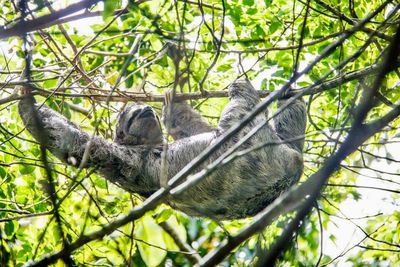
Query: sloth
pixel 238 189
pixel 138 125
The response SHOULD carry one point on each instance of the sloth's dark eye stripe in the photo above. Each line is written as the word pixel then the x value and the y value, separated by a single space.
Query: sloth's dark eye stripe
pixel 133 116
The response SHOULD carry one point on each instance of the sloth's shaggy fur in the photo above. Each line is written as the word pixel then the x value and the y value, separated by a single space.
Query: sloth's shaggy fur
pixel 239 189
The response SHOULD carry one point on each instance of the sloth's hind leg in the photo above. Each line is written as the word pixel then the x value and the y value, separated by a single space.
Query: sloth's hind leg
pixel 182 120
pixel 243 97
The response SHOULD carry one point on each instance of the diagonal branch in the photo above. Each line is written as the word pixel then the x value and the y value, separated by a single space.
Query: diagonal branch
pixel 22 27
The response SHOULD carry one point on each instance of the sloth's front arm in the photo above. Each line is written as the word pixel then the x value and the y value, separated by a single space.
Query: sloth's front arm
pixel 123 165
pixel 136 169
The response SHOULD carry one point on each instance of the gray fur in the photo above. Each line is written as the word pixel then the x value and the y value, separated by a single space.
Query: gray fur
pixel 184 121
pixel 239 189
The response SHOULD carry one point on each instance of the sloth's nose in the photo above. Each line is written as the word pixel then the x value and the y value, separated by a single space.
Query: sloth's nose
pixel 146 112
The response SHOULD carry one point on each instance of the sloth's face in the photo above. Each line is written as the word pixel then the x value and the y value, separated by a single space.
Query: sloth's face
pixel 138 125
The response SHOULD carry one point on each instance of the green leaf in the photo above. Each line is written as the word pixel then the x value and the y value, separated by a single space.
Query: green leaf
pixel 151 233
pixel 156 44
pixel 110 6
pixel 248 2
pixel 38 62
pixel 164 215
pixel 50 83
pixel 224 67
pixel 268 2
pixel 9 228
pixel 252 11
pixel 3 173
pixel 129 82
pixel 275 25
pixel 101 183
pixel 26 169
pixel 236 14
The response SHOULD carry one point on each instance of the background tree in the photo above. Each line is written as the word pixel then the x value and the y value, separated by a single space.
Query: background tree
pixel 87 59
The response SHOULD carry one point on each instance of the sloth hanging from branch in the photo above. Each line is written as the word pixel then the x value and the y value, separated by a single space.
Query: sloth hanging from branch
pixel 239 189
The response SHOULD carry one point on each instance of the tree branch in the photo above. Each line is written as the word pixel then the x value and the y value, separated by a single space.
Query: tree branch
pixel 22 27
pixel 140 97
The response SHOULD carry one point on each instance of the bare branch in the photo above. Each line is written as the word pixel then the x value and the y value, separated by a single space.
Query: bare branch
pixel 22 27
pixel 122 96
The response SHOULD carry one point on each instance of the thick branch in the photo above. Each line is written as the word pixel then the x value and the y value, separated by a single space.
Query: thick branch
pixel 23 27
pixel 140 97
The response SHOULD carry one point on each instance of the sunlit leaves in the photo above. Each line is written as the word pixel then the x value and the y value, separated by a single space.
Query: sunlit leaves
pixel 153 247
pixel 110 6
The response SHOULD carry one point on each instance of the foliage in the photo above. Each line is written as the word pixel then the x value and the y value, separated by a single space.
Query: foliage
pixel 195 48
